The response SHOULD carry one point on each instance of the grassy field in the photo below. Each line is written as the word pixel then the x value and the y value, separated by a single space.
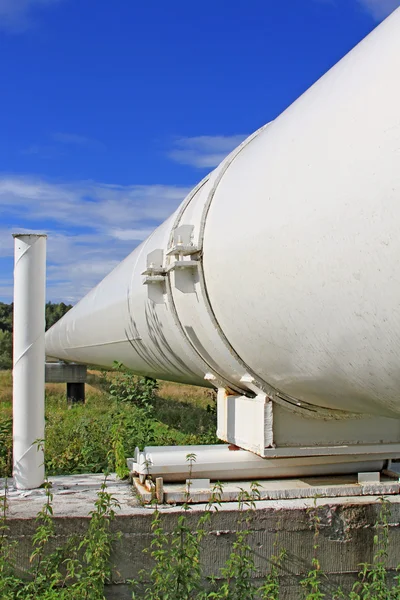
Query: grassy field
pixel 87 438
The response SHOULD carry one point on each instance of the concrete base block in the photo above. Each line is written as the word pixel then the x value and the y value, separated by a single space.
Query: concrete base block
pixel 345 540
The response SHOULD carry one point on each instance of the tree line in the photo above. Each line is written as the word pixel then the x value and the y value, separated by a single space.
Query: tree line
pixel 54 312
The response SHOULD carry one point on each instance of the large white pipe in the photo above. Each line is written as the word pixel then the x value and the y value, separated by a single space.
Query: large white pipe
pixel 279 275
pixel 29 360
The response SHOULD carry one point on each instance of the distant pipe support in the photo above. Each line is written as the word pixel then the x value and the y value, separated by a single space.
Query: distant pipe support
pixel 75 393
pixel 29 360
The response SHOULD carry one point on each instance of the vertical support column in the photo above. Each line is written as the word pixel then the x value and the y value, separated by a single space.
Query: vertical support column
pixel 75 393
pixel 29 359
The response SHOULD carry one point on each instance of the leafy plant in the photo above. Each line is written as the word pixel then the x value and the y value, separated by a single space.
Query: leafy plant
pixel 177 572
pixel 373 579
pixel 9 584
pixel 97 543
pixel 5 446
pixel 239 571
pixel 270 588
pixel 126 387
pixel 76 571
pixel 312 581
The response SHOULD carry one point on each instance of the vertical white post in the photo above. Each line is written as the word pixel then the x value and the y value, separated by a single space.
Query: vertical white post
pixel 29 359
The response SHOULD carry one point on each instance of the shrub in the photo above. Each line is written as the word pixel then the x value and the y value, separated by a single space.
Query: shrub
pixel 126 387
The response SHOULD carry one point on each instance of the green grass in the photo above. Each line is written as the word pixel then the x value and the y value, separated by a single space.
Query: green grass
pixel 5 389
pixel 80 439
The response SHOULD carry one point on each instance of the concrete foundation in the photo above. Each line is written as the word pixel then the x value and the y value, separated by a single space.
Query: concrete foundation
pixel 346 532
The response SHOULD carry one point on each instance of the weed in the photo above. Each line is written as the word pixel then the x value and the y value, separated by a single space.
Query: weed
pixel 270 588
pixel 190 459
pixel 5 446
pixel 96 545
pixel 76 571
pixel 312 581
pixel 9 584
pixel 126 387
pixel 373 578
pixel 177 571
pixel 239 571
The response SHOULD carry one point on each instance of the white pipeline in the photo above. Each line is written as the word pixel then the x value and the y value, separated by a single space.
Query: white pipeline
pixel 277 280
pixel 29 359
pixel 281 270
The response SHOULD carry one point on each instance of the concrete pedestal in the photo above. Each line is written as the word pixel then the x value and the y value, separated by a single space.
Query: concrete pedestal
pixel 346 532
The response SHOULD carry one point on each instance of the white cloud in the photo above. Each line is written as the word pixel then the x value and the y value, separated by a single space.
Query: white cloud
pixel 16 15
pixel 87 203
pixel 77 140
pixel 75 263
pixel 131 234
pixel 60 142
pixel 380 9
pixel 204 151
pixel 91 226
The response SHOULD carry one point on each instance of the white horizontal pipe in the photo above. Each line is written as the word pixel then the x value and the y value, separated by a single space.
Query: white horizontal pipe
pixel 292 259
pixel 296 235
pixel 220 463
pixel 184 449
pixel 29 360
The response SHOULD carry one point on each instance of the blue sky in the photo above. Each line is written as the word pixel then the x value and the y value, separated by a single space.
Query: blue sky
pixel 111 111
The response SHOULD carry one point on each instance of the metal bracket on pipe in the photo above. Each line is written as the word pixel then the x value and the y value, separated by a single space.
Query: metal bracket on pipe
pixel 182 244
pixel 182 250
pixel 215 381
pixel 153 278
pixel 253 386
pixel 155 271
pixel 183 264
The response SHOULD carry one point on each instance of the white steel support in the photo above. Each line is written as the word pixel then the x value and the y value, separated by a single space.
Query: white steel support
pixel 29 359
pixel 272 431
pixel 226 463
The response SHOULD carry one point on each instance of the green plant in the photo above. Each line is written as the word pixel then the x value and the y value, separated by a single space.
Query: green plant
pixel 312 581
pixel 373 579
pixel 76 571
pixel 190 459
pixel 240 567
pixel 126 387
pixel 6 345
pixel 96 545
pixel 44 534
pixel 177 571
pixel 339 594
pixel 9 583
pixel 100 434
pixel 5 446
pixel 270 588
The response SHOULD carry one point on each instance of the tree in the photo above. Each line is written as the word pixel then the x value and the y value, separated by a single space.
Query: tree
pixel 6 317
pixel 5 349
pixel 54 312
